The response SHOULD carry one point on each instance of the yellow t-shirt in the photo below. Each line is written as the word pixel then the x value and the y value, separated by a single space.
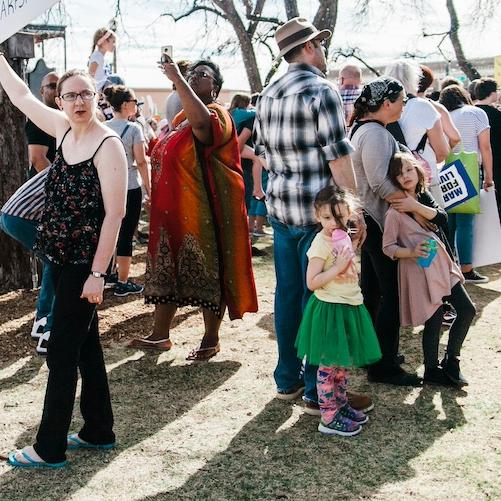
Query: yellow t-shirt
pixel 344 288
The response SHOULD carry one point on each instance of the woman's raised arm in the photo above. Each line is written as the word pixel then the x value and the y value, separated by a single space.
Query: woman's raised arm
pixel 47 119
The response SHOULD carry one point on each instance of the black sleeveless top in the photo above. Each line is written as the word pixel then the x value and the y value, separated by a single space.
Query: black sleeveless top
pixel 71 221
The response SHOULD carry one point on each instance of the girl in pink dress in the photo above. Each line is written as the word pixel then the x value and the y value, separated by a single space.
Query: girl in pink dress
pixel 423 288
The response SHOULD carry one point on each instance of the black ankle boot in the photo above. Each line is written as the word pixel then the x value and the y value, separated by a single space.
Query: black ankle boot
pixel 450 366
pixel 436 375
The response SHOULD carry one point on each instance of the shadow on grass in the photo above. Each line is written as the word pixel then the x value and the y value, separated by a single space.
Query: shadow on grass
pixel 297 462
pixel 481 297
pixel 19 305
pixel 140 394
pixel 267 322
pixel 24 374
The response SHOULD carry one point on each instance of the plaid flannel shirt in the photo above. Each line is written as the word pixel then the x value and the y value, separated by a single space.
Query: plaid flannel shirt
pixel 300 127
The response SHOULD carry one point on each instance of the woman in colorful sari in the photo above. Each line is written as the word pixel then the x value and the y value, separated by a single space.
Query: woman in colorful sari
pixel 199 252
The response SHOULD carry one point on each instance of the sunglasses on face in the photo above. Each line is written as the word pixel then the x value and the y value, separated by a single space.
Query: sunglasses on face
pixel 85 95
pixel 200 74
pixel 52 85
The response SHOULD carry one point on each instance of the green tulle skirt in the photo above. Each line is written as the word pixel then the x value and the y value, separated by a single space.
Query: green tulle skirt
pixel 340 335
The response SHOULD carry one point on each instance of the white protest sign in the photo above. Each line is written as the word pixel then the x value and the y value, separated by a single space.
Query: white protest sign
pixel 16 14
pixel 487 231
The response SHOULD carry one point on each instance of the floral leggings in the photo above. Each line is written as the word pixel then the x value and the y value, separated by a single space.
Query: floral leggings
pixel 331 389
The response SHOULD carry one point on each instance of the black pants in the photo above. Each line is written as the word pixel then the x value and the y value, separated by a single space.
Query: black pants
pixel 74 344
pixel 129 222
pixel 431 335
pixel 379 284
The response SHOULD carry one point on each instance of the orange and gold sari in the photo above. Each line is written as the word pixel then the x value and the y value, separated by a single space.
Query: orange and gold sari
pixel 199 251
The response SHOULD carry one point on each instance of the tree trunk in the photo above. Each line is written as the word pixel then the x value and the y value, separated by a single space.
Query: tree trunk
pixel 291 9
pixel 468 69
pixel 326 17
pixel 245 41
pixel 14 260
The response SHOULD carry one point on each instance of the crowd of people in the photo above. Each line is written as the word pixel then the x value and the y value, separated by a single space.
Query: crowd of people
pixel 333 171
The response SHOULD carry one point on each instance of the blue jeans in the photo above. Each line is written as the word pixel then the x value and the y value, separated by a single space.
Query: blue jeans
pixel 25 231
pixel 291 296
pixel 461 235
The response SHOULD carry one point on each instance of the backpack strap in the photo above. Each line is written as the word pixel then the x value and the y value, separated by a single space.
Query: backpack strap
pixel 359 124
pixel 396 131
pixel 124 131
pixel 422 143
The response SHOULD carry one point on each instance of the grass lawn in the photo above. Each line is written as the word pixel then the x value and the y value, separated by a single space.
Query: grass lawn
pixel 213 431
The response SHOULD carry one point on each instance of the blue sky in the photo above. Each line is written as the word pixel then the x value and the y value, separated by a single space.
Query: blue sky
pixel 387 34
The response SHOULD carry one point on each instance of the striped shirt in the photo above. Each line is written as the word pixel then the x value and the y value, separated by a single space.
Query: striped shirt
pixel 29 200
pixel 300 127
pixel 470 121
pixel 349 94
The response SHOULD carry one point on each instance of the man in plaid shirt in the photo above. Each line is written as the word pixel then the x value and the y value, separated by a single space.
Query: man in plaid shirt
pixel 300 128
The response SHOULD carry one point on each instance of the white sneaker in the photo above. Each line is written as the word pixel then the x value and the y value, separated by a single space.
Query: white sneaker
pixel 42 343
pixel 37 329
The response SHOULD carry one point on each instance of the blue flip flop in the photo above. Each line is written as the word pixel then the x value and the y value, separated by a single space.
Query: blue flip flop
pixel 75 442
pixel 31 462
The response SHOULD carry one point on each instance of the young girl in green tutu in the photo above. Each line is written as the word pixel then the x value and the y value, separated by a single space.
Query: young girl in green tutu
pixel 336 331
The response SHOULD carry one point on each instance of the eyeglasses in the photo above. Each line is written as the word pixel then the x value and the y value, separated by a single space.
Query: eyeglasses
pixel 52 85
pixel 200 74
pixel 85 95
pixel 133 101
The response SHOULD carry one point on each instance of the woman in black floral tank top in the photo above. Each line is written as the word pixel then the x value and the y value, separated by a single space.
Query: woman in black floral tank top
pixel 85 203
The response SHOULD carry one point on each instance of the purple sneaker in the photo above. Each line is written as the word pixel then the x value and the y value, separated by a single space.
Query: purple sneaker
pixel 351 413
pixel 340 425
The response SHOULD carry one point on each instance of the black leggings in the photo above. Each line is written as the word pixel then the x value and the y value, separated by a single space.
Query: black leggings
pixel 465 312
pixel 129 222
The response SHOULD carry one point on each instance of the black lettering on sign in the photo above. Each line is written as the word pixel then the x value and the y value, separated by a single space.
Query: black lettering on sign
pixel 9 7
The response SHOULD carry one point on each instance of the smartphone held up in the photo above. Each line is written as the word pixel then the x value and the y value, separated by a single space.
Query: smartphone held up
pixel 166 54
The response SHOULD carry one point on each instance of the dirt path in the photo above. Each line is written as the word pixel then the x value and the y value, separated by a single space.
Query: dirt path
pixel 214 430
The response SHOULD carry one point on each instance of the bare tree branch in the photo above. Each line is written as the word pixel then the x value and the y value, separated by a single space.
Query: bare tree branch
pixel 353 52
pixel 264 19
pixel 195 7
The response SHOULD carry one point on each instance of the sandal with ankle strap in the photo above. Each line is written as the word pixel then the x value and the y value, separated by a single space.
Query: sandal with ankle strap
pixel 145 344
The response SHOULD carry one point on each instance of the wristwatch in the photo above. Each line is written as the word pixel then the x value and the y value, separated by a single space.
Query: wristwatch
pixel 98 274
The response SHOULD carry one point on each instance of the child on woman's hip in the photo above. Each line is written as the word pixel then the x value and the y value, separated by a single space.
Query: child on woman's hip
pixel 336 331
pixel 427 275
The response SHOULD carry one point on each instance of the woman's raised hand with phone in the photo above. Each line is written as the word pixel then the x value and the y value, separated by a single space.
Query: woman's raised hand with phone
pixel 170 69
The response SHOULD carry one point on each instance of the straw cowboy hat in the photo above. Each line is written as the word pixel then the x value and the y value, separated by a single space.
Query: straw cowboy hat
pixel 297 31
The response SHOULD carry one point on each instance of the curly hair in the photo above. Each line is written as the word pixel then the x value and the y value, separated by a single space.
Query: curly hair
pixel 218 77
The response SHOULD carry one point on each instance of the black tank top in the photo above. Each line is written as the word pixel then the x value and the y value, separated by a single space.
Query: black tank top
pixel 71 221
